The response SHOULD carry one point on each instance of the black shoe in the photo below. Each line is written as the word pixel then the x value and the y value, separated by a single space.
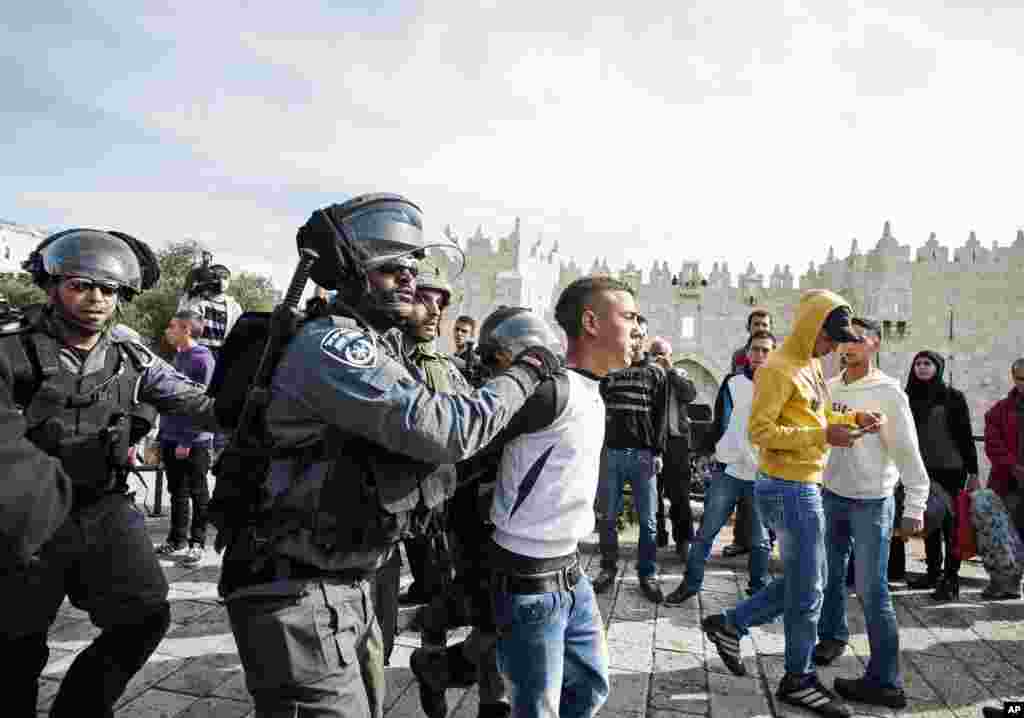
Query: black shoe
pixel 432 697
pixel 605 580
pixel 921 583
pixel 734 549
pixel 859 690
pixel 807 692
pixel 990 712
pixel 726 642
pixel 827 651
pixel 414 596
pixel 948 590
pixel 494 710
pixel 650 587
pixel 681 595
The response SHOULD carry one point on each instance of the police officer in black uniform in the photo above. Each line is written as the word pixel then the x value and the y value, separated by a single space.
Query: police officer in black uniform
pixel 73 399
pixel 359 440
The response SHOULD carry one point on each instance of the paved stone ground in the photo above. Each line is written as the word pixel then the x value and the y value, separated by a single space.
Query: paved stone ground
pixel 956 657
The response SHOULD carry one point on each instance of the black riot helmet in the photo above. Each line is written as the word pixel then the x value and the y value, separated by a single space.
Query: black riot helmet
pixel 105 256
pixel 513 329
pixel 362 233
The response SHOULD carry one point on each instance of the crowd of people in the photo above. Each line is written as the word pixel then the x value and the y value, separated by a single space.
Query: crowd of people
pixel 488 467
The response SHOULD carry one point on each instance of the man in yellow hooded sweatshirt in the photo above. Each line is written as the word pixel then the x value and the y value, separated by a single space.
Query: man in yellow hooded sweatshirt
pixel 793 426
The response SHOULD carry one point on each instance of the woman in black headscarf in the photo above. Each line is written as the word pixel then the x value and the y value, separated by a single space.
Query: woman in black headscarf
pixel 947 446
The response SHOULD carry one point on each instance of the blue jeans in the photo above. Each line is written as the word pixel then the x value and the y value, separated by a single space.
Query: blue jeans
pixel 720 498
pixel 637 467
pixel 867 525
pixel 552 652
pixel 794 510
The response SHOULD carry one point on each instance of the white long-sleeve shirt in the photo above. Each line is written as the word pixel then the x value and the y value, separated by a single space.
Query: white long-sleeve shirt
pixel 871 468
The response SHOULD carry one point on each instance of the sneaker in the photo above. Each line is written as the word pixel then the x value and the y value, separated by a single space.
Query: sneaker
pixel 170 549
pixel 828 650
pixel 650 587
pixel 680 596
pixel 859 690
pixel 734 549
pixel 921 583
pixel 807 692
pixel 726 641
pixel 604 580
pixel 193 555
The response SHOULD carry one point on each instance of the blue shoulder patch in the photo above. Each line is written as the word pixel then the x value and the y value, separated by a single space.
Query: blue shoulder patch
pixel 350 347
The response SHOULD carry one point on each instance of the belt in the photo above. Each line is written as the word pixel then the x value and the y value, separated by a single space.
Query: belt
pixel 564 579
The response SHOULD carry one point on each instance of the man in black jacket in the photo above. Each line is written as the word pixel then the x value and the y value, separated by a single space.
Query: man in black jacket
pixel 674 480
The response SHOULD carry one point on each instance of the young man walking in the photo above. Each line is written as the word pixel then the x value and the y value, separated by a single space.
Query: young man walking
pixel 551 644
pixel 186 450
pixel 858 497
pixel 793 425
pixel 735 480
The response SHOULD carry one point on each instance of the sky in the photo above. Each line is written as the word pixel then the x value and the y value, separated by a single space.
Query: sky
pixel 715 130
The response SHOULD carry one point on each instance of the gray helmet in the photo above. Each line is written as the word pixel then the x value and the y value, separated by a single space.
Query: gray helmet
pixel 513 329
pixel 90 253
pixel 381 228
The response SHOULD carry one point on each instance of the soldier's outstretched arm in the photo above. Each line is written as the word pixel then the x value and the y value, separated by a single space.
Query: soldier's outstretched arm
pixel 174 393
pixel 343 378
pixel 35 492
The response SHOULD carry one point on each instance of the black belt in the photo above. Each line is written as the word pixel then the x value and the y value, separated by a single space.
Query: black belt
pixel 564 579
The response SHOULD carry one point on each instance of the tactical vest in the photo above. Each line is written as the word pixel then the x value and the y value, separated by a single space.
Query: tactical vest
pixel 89 422
pixel 335 506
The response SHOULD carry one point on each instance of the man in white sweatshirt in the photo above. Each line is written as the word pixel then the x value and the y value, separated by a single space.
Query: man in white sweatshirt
pixel 735 480
pixel 859 507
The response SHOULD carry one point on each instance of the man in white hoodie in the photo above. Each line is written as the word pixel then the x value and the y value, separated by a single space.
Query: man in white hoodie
pixel 735 480
pixel 859 505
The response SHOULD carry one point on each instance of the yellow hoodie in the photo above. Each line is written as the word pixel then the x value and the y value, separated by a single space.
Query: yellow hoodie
pixel 791 406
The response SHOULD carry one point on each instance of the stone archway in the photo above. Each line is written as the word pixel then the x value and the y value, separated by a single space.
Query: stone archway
pixel 704 374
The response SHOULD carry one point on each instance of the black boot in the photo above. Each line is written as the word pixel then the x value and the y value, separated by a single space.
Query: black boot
pixel 948 590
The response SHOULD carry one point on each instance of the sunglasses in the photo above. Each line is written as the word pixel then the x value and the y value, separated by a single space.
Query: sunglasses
pixel 81 286
pixel 397 268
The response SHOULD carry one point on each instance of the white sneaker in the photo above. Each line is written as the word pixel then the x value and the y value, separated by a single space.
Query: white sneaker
pixel 193 555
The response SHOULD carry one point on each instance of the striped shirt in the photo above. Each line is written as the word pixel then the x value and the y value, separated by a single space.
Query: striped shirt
pixel 636 400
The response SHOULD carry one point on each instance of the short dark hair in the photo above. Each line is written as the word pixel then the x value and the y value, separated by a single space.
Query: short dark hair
pixel 466 319
pixel 195 321
pixel 757 313
pixel 871 326
pixel 1017 365
pixel 575 298
pixel 761 334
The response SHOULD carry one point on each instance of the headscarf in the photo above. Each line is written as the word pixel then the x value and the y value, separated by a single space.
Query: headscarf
pixel 924 395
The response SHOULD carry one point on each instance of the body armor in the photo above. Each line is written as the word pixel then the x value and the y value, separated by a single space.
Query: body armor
pixel 89 422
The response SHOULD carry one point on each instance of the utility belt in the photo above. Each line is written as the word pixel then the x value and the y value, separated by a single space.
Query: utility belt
pixel 563 579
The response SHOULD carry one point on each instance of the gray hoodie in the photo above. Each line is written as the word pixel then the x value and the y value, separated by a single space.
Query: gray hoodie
pixel 872 466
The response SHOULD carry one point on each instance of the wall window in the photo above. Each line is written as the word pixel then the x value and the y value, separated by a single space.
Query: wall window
pixel 688 328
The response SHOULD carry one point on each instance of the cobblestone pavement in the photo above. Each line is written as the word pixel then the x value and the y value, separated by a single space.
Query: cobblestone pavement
pixel 956 657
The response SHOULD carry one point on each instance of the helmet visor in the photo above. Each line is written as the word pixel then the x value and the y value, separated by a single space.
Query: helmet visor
pixel 387 231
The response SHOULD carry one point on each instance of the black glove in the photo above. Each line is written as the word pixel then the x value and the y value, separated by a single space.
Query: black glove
pixel 541 360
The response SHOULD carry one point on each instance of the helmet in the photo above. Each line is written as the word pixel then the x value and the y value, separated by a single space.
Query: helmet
pixel 432 279
pixel 93 254
pixel 380 228
pixel 513 329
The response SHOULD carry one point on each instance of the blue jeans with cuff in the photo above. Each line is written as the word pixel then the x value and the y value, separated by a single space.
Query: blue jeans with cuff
pixel 867 525
pixel 794 510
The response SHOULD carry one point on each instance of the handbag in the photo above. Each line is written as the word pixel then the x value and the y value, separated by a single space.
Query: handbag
pixel 966 544
pixel 939 505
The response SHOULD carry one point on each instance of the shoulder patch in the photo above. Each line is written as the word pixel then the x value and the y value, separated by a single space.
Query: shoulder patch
pixel 350 347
